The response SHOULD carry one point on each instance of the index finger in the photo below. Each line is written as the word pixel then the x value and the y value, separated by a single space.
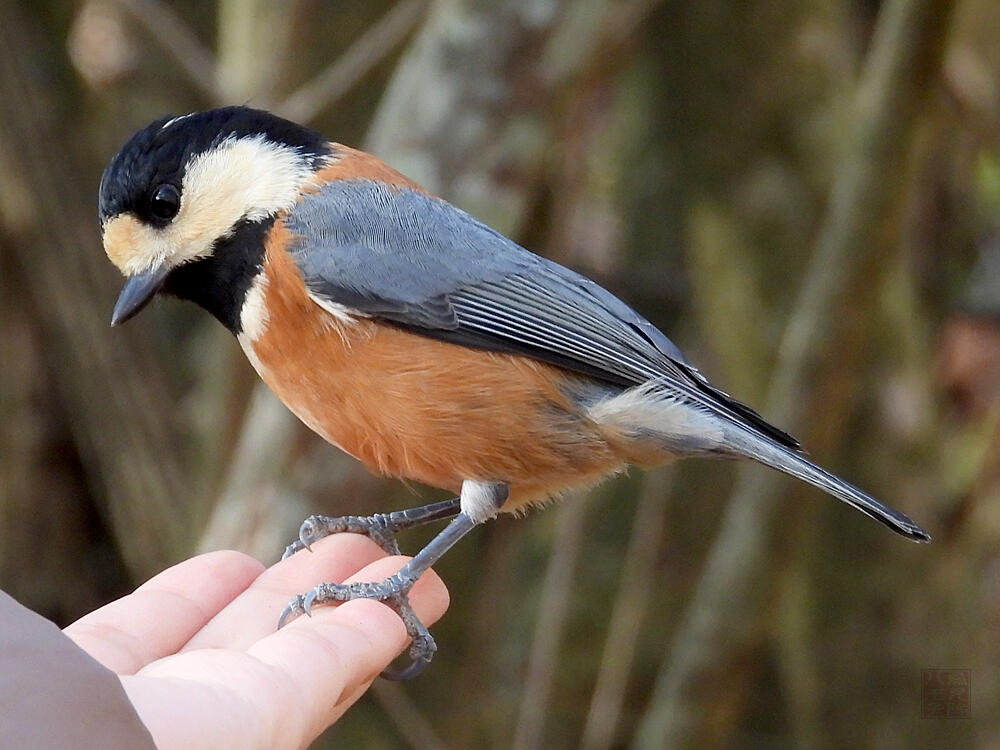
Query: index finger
pixel 165 612
pixel 254 613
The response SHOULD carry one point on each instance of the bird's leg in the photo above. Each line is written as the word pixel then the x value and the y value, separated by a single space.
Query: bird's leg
pixel 479 501
pixel 381 528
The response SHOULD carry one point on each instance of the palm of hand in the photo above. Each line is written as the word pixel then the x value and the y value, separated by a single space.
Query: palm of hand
pixel 199 657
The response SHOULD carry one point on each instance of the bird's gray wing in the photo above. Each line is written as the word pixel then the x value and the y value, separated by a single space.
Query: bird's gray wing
pixel 421 263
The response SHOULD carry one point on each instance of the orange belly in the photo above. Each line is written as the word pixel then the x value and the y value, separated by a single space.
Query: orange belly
pixel 418 408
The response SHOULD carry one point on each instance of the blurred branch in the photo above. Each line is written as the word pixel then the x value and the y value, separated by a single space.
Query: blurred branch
pixel 243 63
pixel 725 287
pixel 485 643
pixel 376 44
pixel 557 589
pixel 637 581
pixel 254 41
pixel 253 512
pixel 167 28
pixel 592 41
pixel 796 647
pixel 408 720
pixel 723 620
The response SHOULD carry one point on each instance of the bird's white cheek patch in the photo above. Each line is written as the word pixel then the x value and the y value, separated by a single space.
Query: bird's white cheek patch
pixel 241 178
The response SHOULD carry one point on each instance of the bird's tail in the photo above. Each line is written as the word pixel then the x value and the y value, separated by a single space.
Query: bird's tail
pixel 765 451
pixel 650 424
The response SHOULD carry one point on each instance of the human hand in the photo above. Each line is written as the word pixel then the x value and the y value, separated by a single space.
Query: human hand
pixel 198 655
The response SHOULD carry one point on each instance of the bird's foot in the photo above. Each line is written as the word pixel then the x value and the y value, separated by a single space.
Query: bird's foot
pixel 381 528
pixel 378 527
pixel 393 592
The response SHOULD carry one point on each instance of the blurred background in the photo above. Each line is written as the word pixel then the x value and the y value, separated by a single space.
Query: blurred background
pixel 804 195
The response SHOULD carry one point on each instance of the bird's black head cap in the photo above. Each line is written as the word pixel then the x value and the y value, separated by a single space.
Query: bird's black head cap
pixel 159 153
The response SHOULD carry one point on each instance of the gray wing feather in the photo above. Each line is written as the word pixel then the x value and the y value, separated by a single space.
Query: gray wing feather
pixel 420 262
pixel 397 254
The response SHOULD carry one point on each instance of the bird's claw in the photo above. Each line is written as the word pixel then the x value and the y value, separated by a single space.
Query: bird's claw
pixel 393 592
pixel 292 548
pixel 310 532
pixel 422 650
pixel 307 603
pixel 293 609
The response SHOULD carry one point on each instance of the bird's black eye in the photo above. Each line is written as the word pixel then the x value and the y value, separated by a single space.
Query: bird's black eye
pixel 165 202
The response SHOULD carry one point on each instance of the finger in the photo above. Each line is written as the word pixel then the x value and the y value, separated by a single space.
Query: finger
pixel 328 660
pixel 254 613
pixel 165 612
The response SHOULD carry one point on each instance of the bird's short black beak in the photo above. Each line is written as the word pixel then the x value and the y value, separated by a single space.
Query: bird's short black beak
pixel 138 291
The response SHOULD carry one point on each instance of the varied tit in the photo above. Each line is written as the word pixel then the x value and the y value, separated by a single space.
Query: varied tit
pixel 413 336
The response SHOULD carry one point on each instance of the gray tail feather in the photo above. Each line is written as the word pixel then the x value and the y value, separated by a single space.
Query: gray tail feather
pixel 765 451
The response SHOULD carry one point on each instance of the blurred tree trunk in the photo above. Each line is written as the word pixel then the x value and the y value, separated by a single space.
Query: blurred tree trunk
pixel 45 530
pixel 110 388
pixel 724 622
pixel 458 114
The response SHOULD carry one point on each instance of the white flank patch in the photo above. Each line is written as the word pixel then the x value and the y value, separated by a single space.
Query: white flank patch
pixel 682 427
pixel 342 313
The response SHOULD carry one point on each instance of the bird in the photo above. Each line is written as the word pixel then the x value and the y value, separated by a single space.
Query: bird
pixel 413 336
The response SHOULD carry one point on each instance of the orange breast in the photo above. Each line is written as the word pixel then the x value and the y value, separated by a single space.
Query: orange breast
pixel 418 408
